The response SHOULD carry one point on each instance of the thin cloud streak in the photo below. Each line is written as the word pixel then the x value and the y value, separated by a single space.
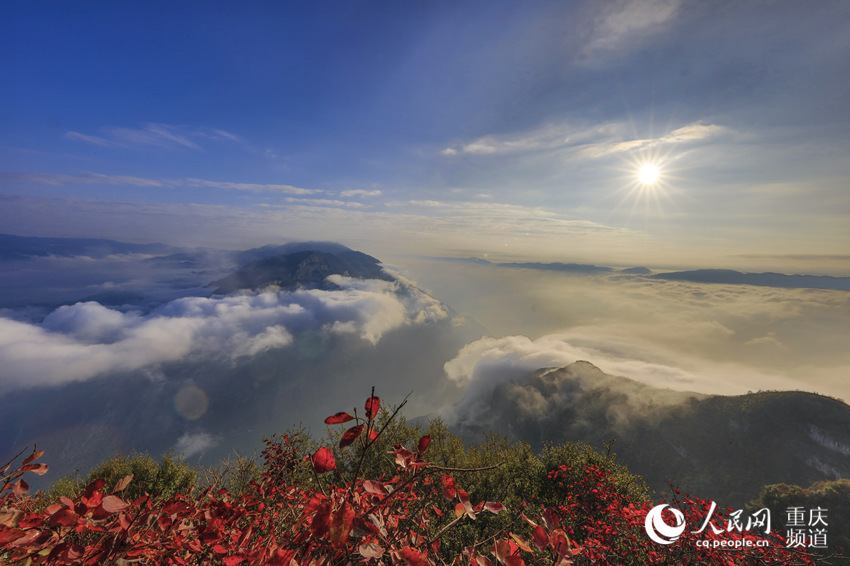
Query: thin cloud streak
pixel 592 142
pixel 360 193
pixel 101 179
pixel 152 135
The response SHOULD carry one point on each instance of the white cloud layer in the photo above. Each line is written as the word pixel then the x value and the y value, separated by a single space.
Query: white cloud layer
pixel 84 340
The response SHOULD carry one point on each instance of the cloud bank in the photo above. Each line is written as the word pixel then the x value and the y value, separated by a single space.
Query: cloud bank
pixel 81 341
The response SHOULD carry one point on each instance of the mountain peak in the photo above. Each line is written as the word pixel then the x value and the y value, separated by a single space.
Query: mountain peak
pixel 302 266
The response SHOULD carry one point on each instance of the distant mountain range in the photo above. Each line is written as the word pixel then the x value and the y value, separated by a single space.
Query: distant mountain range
pixel 719 447
pixel 731 277
pixel 24 247
pixel 724 276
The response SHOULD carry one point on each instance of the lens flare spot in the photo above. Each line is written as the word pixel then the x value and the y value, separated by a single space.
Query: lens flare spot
pixel 191 402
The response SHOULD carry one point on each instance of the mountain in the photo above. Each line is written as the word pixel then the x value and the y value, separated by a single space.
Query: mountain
pixel 25 247
pixel 202 376
pixel 557 266
pixel 302 268
pixel 719 447
pixel 732 277
pixel 636 271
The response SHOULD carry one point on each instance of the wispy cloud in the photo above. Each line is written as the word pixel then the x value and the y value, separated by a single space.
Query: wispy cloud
pixel 94 140
pixel 82 178
pixel 622 22
pixel 153 135
pixel 98 178
pixel 592 142
pixel 156 135
pixel 252 187
pixel 327 202
pixel 360 193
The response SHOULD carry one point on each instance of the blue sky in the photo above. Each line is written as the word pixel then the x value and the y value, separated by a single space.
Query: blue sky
pixel 506 129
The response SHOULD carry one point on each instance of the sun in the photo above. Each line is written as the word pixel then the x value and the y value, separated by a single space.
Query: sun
pixel 648 181
pixel 648 173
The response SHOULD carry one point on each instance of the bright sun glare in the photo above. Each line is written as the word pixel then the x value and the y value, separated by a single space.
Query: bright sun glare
pixel 648 174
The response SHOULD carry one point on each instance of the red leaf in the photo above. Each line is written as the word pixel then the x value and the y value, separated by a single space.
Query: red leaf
pixel 527 520
pixel 375 488
pixel 112 504
pixel 321 522
pixel 350 436
pixel 233 559
pixel 514 560
pixel 551 519
pixel 64 517
pixel 464 501
pixel 494 507
pixel 338 418
pixel 413 557
pixel 540 538
pixel 122 483
pixel 281 558
pixel 520 542
pixel 27 539
pixel 372 406
pixel 341 525
pixel 33 457
pixel 403 456
pixel 423 443
pixel 323 460
pixel 38 469
pixel 370 550
pixel 8 534
pixel 449 491
pixel 20 487
pixel 94 486
pixel 502 549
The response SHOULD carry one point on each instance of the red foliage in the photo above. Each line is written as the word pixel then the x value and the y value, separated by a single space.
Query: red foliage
pixel 323 460
pixel 401 520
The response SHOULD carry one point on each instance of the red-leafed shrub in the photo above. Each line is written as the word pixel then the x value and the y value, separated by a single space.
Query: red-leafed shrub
pixel 320 507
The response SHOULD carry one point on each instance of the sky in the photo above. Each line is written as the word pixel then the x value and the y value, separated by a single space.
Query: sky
pixel 507 130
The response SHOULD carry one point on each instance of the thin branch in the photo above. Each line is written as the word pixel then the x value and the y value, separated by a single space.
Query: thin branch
pixel 481 469
pixel 446 528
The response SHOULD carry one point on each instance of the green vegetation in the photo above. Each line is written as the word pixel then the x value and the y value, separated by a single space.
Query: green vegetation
pixel 163 478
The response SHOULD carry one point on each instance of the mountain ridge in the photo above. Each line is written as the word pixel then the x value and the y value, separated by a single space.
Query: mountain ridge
pixel 305 268
pixel 720 447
